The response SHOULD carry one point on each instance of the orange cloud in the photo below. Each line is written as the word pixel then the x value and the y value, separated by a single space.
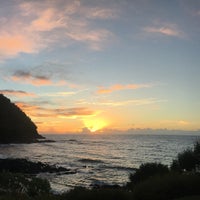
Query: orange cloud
pixel 39 111
pixel 118 87
pixel 27 107
pixel 32 80
pixel 16 93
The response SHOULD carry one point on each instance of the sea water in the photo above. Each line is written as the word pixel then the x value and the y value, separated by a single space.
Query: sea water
pixel 98 159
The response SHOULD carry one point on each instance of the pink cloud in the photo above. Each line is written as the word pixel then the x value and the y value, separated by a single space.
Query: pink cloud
pixel 64 21
pixel 165 29
pixel 15 43
pixel 47 21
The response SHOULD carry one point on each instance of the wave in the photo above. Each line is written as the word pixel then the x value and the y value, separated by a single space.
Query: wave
pixel 121 168
pixel 88 160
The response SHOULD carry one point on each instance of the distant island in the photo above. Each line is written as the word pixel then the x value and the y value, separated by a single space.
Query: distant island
pixel 15 125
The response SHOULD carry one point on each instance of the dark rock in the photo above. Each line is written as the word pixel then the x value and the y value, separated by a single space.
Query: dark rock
pixel 15 125
pixel 45 141
pixel 29 167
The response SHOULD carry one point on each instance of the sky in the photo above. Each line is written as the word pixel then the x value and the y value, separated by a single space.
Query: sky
pixel 96 65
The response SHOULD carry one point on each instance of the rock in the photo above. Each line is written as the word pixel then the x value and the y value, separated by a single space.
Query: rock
pixel 15 125
pixel 21 165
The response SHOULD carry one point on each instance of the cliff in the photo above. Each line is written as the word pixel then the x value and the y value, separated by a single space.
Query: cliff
pixel 15 125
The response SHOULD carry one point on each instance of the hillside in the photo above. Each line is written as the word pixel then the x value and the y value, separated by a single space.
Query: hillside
pixel 15 125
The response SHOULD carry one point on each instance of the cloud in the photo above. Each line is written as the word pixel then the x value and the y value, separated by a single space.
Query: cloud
pixel 117 87
pixel 18 93
pixel 134 102
pixel 25 76
pixel 74 112
pixel 95 38
pixel 165 29
pixel 47 21
pixel 101 13
pixel 35 79
pixel 36 110
pixel 28 108
pixel 15 43
pixel 192 7
pixel 183 122
pixel 176 123
pixel 32 26
pixel 59 94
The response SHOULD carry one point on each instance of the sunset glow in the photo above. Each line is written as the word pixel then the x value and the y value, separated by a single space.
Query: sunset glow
pixel 72 65
pixel 95 124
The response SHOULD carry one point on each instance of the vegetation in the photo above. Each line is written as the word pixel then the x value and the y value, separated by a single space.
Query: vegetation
pixel 146 171
pixel 168 186
pixel 24 185
pixel 97 194
pixel 188 160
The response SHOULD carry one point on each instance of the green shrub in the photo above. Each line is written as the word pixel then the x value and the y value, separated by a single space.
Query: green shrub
pixel 167 187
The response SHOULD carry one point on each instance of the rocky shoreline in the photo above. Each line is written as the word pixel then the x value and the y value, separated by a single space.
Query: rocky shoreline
pixel 21 165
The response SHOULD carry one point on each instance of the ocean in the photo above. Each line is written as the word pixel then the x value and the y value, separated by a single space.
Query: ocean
pixel 98 159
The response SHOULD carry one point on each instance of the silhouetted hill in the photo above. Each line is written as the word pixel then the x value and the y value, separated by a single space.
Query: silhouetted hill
pixel 15 125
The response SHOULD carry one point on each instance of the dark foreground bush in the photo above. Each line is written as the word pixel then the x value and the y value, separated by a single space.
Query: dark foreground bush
pixel 22 184
pixel 189 198
pixel 169 186
pixel 12 196
pixel 146 171
pixel 188 160
pixel 97 194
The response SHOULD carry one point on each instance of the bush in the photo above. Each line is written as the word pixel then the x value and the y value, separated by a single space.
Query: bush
pixel 22 184
pixel 189 198
pixel 167 187
pixel 188 160
pixel 97 194
pixel 146 171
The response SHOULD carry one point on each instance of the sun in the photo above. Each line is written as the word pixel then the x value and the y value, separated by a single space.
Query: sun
pixel 95 124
